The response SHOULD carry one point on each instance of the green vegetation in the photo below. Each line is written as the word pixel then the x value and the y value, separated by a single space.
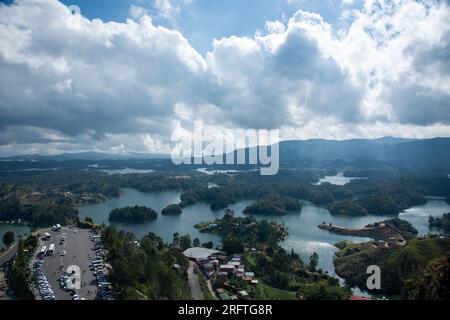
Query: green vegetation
pixel 274 205
pixel 313 261
pixel 207 295
pixel 240 232
pixel 171 210
pixel 87 223
pixel 342 244
pixel 283 274
pixel 382 203
pixel 148 271
pixel 441 223
pixel 182 241
pixel 218 198
pixel 403 227
pixel 398 264
pixel 348 208
pixel 134 214
pixel 433 283
pixel 265 292
pixel 8 238
pixel 20 274
pixel 323 290
pixel 41 214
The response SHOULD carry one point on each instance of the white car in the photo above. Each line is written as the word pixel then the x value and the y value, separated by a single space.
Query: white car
pixel 63 253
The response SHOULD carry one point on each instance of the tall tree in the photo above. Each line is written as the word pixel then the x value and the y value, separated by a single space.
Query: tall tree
pixel 313 261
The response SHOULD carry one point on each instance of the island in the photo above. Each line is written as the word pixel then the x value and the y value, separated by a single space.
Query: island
pixel 134 214
pixel 273 205
pixel 172 210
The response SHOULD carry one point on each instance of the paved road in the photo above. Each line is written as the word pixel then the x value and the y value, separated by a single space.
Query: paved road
pixel 9 254
pixel 194 283
pixel 79 248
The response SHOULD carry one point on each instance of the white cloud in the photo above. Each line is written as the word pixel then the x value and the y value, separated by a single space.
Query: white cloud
pixel 136 12
pixel 166 8
pixel 70 83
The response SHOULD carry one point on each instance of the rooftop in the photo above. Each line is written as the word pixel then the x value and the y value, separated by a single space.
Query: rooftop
pixel 199 253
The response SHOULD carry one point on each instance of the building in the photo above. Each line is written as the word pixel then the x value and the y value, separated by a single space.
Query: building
pixel 198 254
pixel 228 268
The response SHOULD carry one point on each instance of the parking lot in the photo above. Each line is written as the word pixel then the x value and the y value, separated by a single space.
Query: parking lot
pixel 67 272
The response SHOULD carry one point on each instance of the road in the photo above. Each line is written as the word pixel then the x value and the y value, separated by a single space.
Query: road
pixel 9 254
pixel 194 283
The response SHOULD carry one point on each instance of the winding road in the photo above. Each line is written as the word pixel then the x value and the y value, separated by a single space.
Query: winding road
pixel 9 254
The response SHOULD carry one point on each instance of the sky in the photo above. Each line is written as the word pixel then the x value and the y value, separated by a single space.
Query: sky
pixel 133 75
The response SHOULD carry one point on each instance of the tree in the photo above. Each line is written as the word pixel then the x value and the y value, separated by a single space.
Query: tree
pixel 196 242
pixel 208 245
pixel 313 261
pixel 229 215
pixel 185 242
pixel 176 239
pixel 323 290
pixel 264 232
pixel 173 209
pixel 89 219
pixel 233 245
pixel 8 238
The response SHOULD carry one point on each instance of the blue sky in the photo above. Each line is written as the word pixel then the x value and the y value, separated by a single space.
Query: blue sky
pixel 203 20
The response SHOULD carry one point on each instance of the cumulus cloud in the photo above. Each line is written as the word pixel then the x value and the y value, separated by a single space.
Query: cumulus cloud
pixel 67 73
pixel 70 83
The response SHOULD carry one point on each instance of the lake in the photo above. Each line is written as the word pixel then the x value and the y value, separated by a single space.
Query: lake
pixel 18 229
pixel 418 216
pixel 164 226
pixel 124 171
pixel 339 179
pixel 304 235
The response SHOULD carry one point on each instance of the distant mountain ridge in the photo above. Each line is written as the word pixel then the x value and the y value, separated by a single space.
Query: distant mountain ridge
pixel 388 151
pixel 86 156
pixel 392 151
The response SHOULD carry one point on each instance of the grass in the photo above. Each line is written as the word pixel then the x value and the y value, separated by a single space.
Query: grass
pixel 266 292
pixel 207 295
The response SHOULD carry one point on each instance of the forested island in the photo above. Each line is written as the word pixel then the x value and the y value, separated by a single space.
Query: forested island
pixel 134 214
pixel 274 205
pixel 381 203
pixel 248 231
pixel 172 210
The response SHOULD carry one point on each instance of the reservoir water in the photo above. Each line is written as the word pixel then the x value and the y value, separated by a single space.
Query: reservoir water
pixel 18 229
pixel 304 235
pixel 339 179
pixel 164 226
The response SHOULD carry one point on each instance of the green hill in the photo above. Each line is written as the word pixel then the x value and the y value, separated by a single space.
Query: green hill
pixel 398 264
